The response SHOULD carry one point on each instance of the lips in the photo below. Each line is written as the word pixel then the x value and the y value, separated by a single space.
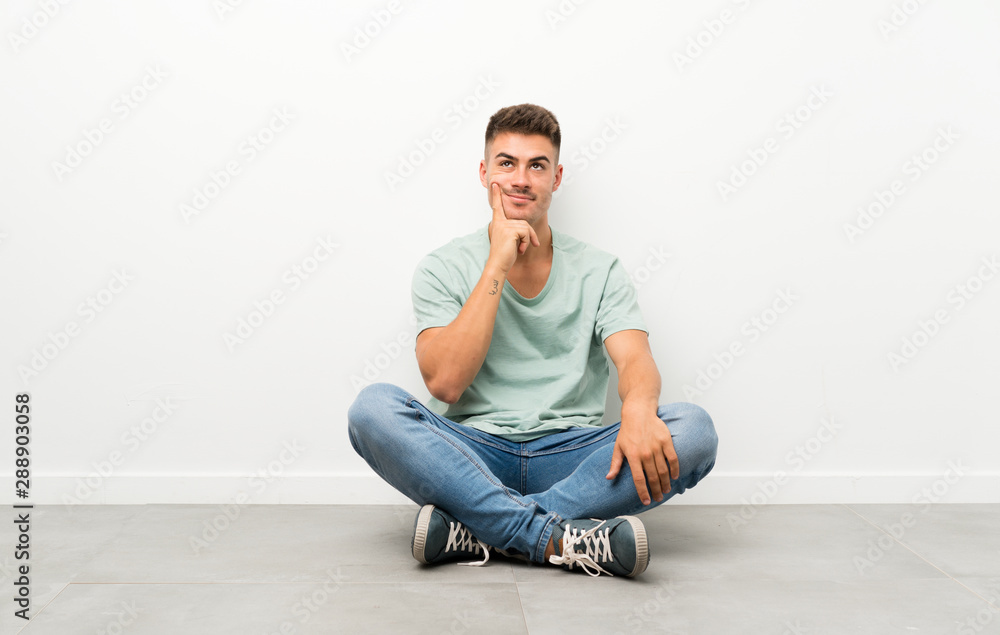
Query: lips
pixel 519 197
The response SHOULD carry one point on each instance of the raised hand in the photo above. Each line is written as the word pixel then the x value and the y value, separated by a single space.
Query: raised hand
pixel 509 238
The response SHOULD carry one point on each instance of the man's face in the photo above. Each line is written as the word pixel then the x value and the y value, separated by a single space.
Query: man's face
pixel 526 168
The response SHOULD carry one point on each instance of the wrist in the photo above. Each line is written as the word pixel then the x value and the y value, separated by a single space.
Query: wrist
pixel 640 406
pixel 493 270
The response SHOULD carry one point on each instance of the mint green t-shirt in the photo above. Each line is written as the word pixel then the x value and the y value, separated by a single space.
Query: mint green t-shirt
pixel 545 370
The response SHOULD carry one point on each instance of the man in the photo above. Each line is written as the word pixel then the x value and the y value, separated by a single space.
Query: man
pixel 511 320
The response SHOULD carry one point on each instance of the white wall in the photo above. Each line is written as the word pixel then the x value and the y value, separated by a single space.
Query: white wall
pixel 868 95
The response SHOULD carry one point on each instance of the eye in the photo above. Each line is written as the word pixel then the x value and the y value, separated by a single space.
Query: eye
pixel 504 163
pixel 539 166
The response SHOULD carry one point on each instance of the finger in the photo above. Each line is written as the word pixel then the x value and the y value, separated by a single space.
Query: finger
pixel 675 463
pixel 616 463
pixel 640 481
pixel 653 478
pixel 496 201
pixel 534 237
pixel 663 473
pixel 526 240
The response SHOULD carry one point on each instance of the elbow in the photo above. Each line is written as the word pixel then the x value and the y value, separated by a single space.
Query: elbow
pixel 445 389
pixel 442 381
pixel 443 393
pixel 448 398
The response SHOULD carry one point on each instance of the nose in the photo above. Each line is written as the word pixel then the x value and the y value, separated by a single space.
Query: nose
pixel 519 179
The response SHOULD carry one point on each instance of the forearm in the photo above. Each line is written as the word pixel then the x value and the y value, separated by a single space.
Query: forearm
pixel 639 384
pixel 453 358
pixel 642 440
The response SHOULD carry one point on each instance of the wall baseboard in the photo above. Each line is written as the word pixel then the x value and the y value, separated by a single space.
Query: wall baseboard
pixel 721 488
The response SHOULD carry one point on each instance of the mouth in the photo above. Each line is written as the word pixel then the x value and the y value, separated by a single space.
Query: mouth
pixel 520 197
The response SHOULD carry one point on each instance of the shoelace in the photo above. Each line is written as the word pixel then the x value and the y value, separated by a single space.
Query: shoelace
pixel 461 539
pixel 596 545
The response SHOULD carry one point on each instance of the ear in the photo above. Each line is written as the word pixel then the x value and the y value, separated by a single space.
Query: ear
pixel 559 175
pixel 482 173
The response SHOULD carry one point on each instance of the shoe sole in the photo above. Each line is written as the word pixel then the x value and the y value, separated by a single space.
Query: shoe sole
pixel 641 546
pixel 420 533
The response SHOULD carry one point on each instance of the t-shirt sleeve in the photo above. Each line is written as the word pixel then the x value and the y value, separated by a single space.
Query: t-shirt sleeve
pixel 435 298
pixel 619 309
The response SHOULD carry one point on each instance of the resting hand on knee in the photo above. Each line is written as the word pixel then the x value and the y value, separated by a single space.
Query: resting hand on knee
pixel 645 442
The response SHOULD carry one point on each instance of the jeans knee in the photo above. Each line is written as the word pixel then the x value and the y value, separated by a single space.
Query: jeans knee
pixel 371 407
pixel 699 425
pixel 706 427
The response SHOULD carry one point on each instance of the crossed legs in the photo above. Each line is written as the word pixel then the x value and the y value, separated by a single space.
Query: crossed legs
pixel 511 495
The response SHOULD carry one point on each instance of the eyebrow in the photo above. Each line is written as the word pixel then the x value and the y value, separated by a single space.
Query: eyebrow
pixel 532 160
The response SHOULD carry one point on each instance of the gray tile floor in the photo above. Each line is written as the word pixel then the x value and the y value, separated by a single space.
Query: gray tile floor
pixel 265 570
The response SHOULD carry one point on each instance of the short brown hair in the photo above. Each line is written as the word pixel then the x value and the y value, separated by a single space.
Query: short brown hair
pixel 526 119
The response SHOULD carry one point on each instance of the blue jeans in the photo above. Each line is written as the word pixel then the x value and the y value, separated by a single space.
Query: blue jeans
pixel 511 494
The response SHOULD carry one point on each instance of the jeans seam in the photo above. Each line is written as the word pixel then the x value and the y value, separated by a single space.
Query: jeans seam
pixel 458 430
pixel 471 459
pixel 523 459
pixel 543 540
pixel 571 447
